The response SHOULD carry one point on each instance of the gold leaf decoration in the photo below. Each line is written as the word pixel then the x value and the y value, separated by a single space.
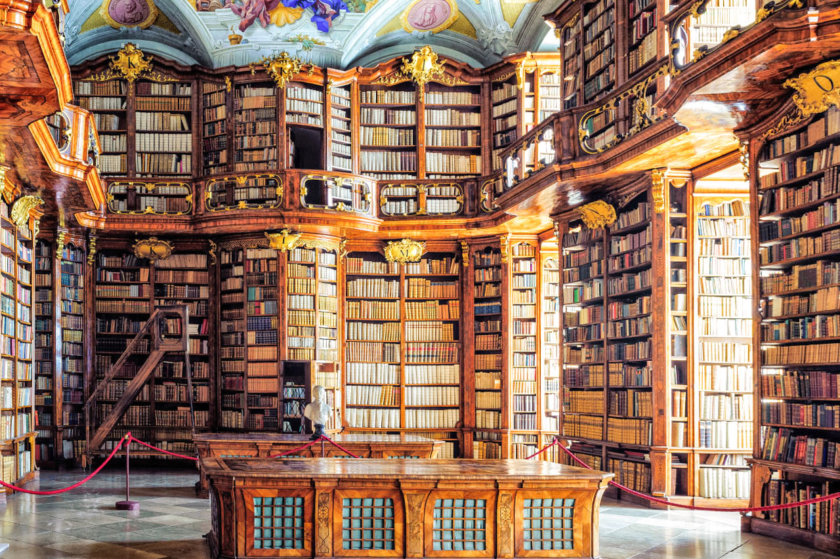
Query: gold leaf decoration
pixel 22 210
pixel 597 214
pixel 152 249
pixel 404 251
pixel 283 241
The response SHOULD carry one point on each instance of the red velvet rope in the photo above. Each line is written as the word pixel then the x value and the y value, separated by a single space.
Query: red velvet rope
pixel 75 485
pixel 543 449
pixel 147 445
pixel 339 447
pixel 304 447
pixel 653 499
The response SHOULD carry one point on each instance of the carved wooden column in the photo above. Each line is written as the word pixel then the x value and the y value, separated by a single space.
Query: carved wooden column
pixel 323 517
pixel 504 521
pixel 414 497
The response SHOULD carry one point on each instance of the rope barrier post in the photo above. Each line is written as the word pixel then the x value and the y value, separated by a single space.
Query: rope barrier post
pixel 128 504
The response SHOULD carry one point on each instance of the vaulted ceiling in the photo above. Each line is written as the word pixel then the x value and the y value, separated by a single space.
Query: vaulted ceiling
pixel 477 32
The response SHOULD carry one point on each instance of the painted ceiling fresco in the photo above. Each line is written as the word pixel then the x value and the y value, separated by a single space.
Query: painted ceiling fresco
pixel 333 33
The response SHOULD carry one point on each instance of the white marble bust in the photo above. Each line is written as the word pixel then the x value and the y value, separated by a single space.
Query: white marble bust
pixel 318 411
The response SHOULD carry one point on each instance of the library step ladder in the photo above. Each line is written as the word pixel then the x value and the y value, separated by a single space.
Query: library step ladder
pixel 166 331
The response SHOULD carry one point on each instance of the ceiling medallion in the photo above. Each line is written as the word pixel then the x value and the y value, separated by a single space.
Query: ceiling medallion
pixel 129 13
pixel 597 214
pixel 281 67
pixel 283 241
pixel 404 251
pixel 152 249
pixel 430 16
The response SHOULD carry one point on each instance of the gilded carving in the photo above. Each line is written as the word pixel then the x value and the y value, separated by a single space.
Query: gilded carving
pixel 597 214
pixel 744 159
pixel 281 67
pixel 414 538
pixel 320 244
pixel 23 208
pixel 91 255
pixel 641 107
pixel 465 253
pixel 130 64
pixel 818 90
pixel 504 245
pixel 404 251
pixel 505 525
pixel 228 84
pixel 657 189
pixel 212 252
pixel 324 548
pixel 59 244
pixel 423 67
pixel 152 249
pixel 283 241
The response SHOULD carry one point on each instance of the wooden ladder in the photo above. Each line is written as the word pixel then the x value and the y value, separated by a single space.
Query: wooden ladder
pixel 161 344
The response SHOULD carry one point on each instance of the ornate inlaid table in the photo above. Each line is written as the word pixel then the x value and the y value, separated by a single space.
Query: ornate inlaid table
pixel 263 445
pixel 329 507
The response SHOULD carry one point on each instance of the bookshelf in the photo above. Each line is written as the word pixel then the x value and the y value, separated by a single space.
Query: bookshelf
pixel 256 191
pixel 583 315
pixel 550 93
pixel 341 128
pixel 795 239
pixel 388 132
pixel 724 329
pixel 255 127
pixel 642 17
pixel 504 114
pixel 524 370
pixel 17 409
pixel 262 380
pixel 163 129
pixel 215 133
pixel 452 131
pixel 304 104
pixel 708 29
pixel 107 101
pixel 304 118
pixel 158 198
pixel 491 349
pixel 571 52
pixel 123 302
pixel 403 345
pixel 551 337
pixel 184 279
pixel 372 332
pixel 231 355
pixel 599 69
pixel 47 409
pixel 406 199
pixel 72 323
pixel 679 398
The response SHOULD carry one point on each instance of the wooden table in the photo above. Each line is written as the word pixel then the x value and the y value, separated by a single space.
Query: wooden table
pixel 331 507
pixel 263 445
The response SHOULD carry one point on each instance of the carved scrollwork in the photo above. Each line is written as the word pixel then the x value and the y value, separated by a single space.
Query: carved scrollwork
pixel 281 67
pixel 284 241
pixel 505 525
pixel 414 538
pixel 24 208
pixel 404 251
pixel 324 549
pixel 152 249
pixel 597 214
pixel 657 189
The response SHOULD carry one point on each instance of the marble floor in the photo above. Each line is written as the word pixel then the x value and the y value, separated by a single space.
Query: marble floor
pixel 171 522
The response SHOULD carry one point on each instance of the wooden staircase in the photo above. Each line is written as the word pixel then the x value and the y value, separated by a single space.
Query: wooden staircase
pixel 160 344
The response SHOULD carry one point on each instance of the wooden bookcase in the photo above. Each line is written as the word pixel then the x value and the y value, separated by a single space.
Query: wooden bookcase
pixel 215 132
pixel 108 102
pixel 255 127
pixel 163 139
pixel 47 380
pixel 72 330
pixel 17 407
pixel 388 133
pixel 403 332
pixel 795 238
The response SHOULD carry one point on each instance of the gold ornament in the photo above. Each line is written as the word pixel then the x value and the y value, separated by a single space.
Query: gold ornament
pixel 597 214
pixel 283 241
pixel 657 189
pixel 22 211
pixel 152 249
pixel 404 251
pixel 423 67
pixel 280 67
pixel 91 255
pixel 130 62
pixel 816 91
